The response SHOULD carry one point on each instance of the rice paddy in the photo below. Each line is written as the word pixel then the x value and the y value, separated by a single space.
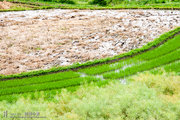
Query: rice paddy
pixel 165 53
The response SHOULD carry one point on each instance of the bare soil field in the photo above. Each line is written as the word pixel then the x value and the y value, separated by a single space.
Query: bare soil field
pixel 5 5
pixel 33 40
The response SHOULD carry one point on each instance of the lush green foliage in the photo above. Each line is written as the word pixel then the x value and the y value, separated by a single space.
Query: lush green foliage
pixel 94 4
pixel 61 1
pixel 137 2
pixel 47 86
pixel 47 94
pixel 145 97
pixel 167 85
pixel 39 79
pixel 173 67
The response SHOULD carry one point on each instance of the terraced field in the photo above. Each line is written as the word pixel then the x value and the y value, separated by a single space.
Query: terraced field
pixel 163 52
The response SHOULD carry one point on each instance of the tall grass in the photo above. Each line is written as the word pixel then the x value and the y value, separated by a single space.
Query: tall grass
pixel 167 85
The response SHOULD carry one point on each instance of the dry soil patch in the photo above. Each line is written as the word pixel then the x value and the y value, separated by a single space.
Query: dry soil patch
pixel 32 40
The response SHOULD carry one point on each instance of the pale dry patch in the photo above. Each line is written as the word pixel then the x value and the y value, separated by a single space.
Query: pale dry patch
pixel 5 5
pixel 32 40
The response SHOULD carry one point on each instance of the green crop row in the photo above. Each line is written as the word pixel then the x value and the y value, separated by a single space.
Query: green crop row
pixel 165 48
pixel 99 69
pixel 171 67
pixel 47 94
pixel 47 86
pixel 155 43
pixel 38 79
pixel 173 56
pixel 175 66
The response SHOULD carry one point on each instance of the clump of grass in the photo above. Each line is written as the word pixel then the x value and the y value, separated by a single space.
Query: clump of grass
pixel 136 100
pixel 61 1
pixel 99 2
pixel 65 1
pixel 130 2
pixel 166 84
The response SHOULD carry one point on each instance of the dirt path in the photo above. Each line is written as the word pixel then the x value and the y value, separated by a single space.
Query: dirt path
pixel 32 40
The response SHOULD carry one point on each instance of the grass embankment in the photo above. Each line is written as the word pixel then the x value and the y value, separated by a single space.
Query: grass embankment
pixel 167 55
pixel 95 4
pixel 146 96
pixel 171 57
pixel 168 47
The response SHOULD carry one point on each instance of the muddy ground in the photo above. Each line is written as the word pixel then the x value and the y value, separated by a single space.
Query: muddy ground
pixel 32 40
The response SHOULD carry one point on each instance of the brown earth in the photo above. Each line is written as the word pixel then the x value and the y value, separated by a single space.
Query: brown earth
pixel 5 5
pixel 32 40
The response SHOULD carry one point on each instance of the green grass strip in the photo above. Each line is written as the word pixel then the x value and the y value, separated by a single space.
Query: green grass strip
pixel 165 48
pixel 47 94
pixel 173 67
pixel 39 79
pixel 54 5
pixel 175 55
pixel 104 68
pixel 47 86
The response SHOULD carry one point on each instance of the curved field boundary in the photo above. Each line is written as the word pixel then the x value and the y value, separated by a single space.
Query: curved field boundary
pixel 167 54
pixel 168 47
pixel 151 45
pixel 171 57
pixel 49 94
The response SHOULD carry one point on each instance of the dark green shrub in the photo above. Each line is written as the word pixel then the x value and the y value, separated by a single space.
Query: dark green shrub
pixel 48 0
pixel 143 2
pixel 61 1
pixel 99 2
pixel 115 2
pixel 65 1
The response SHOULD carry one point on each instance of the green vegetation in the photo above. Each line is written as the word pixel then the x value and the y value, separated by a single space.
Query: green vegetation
pixel 163 52
pixel 94 90
pixel 146 96
pixel 173 67
pixel 39 79
pixel 129 2
pixel 95 4
pixel 47 86
pixel 145 66
pixel 47 94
